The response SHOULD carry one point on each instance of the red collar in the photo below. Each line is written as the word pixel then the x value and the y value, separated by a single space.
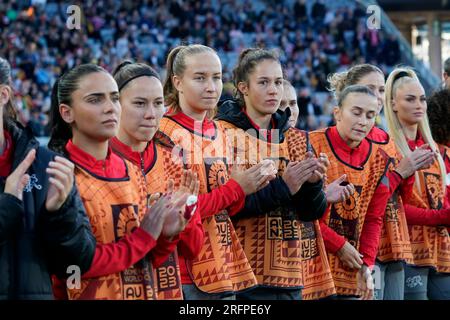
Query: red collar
pixel 266 132
pixel 146 158
pixel 6 158
pixel 208 127
pixel 413 144
pixel 112 167
pixel 378 136
pixel 355 157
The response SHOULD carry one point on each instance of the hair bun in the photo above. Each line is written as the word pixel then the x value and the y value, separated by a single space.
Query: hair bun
pixel 246 52
pixel 121 65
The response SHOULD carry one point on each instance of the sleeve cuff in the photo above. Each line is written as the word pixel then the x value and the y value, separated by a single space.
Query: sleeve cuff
pixel 143 235
pixel 395 173
pixel 368 261
pixel 13 206
pixel 336 244
pixel 282 189
pixel 237 189
pixel 12 200
pixel 64 209
pixel 163 241
pixel 332 240
pixel 315 185
pixel 408 183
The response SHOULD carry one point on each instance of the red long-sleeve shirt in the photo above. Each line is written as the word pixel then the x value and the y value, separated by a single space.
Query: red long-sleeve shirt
pixel 112 258
pixel 379 136
pixel 115 257
pixel 192 237
pixel 423 216
pixel 189 246
pixel 373 221
pixel 229 196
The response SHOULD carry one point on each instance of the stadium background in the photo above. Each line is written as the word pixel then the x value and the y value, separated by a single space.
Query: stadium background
pixel 314 38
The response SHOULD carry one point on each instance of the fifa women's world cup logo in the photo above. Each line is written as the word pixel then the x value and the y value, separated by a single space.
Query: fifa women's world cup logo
pixel 216 172
pixel 345 217
pixel 217 175
pixel 125 219
pixel 350 208
pixel 433 188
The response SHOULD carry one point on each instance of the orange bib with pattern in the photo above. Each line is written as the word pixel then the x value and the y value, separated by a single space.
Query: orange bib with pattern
pixel 168 278
pixel 394 240
pixel 271 241
pixel 430 245
pixel 114 208
pixel 445 153
pixel 347 218
pixel 222 265
pixel 163 168
pixel 317 279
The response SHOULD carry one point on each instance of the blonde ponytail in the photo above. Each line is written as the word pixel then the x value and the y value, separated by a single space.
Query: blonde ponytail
pixel 396 79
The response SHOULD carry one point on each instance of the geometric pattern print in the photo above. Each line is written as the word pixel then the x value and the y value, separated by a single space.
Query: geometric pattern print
pixel 430 244
pixel 221 265
pixel 168 279
pixel 317 278
pixel 167 275
pixel 114 209
pixel 347 218
pixel 272 245
pixel 395 244
pixel 172 168
pixel 272 242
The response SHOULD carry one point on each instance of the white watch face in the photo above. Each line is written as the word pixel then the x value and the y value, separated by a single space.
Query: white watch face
pixel 191 200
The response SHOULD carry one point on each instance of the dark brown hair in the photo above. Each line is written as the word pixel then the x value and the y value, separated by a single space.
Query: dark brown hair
pixel 62 94
pixel 247 62
pixel 439 115
pixel 128 71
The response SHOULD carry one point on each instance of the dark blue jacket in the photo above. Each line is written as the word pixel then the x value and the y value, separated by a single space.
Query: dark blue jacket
pixel 309 201
pixel 35 243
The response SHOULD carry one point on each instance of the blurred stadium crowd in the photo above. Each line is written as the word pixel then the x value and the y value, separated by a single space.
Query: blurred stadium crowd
pixel 313 41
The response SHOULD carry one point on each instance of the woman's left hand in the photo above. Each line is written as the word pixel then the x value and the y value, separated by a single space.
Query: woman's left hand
pixel 335 192
pixel 61 182
pixel 365 283
pixel 175 221
pixel 323 164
